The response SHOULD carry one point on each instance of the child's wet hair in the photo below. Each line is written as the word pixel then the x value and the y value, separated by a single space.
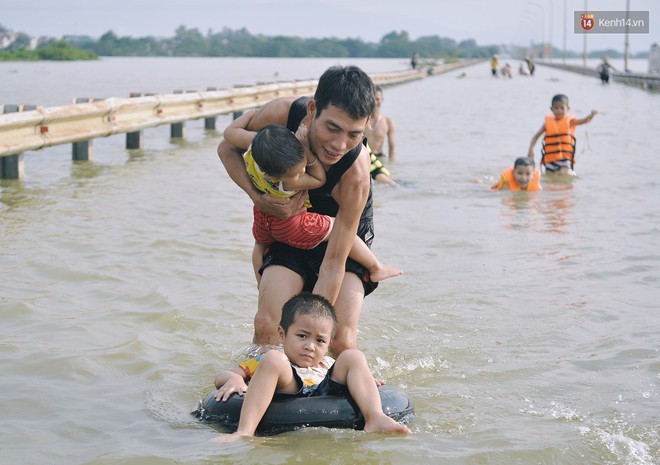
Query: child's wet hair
pixel 277 150
pixel 559 98
pixel 307 303
pixel 523 161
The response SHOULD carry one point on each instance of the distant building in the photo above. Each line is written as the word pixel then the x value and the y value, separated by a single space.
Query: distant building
pixel 6 39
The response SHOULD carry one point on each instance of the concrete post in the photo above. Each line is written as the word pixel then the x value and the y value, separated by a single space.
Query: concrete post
pixel 82 150
pixel 178 130
pixel 209 123
pixel 12 166
pixel 134 140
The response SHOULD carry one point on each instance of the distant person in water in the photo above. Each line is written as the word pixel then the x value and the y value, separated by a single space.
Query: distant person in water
pixel 604 70
pixel 530 65
pixel 379 128
pixel 523 70
pixel 522 176
pixel 507 71
pixel 558 152
pixel 494 65
pixel 414 61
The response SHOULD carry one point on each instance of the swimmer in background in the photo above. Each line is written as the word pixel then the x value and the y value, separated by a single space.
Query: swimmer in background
pixel 507 71
pixel 379 128
pixel 522 176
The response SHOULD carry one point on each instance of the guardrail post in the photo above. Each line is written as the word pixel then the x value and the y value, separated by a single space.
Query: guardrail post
pixel 178 130
pixel 82 150
pixel 12 166
pixel 209 123
pixel 134 140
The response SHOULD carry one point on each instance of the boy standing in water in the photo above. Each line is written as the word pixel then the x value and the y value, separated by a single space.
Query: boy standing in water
pixel 558 152
pixel 303 369
pixel 522 176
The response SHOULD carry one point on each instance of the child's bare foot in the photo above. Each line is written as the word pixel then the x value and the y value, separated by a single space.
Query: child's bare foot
pixel 384 424
pixel 384 271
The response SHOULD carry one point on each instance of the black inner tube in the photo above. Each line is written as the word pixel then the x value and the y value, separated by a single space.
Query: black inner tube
pixel 288 414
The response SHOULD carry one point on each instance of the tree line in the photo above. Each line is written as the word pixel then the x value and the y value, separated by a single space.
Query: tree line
pixel 234 43
pixel 241 43
pixel 188 42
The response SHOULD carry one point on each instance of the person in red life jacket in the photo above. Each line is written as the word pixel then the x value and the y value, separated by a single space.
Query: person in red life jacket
pixel 558 152
pixel 522 176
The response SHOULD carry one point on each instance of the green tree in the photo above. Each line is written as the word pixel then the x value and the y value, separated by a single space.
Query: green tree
pixel 62 50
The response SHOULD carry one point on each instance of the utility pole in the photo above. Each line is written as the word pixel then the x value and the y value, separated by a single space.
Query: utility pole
pixel 563 55
pixel 584 47
pixel 627 43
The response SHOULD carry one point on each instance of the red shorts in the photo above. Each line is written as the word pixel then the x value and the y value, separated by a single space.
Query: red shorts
pixel 304 231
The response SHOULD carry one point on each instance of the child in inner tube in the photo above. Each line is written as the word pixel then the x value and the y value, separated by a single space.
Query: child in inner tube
pixel 303 369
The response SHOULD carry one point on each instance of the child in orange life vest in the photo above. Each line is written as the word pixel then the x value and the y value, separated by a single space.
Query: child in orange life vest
pixel 558 154
pixel 522 176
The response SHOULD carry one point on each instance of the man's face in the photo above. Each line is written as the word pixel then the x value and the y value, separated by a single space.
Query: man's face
pixel 379 99
pixel 334 133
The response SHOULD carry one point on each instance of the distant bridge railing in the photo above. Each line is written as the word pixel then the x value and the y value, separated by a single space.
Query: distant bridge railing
pixel 35 128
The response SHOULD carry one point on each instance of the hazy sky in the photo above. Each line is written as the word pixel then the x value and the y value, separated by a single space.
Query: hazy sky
pixel 486 21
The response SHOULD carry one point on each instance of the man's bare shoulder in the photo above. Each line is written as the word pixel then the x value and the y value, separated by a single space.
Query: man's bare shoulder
pixel 274 112
pixel 357 176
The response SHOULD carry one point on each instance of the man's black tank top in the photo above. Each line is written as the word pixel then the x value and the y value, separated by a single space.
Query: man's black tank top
pixel 321 198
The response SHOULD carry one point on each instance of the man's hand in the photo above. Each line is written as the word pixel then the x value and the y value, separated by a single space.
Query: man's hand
pixel 282 208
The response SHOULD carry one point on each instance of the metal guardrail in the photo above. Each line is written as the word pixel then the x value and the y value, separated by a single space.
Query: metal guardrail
pixel 644 80
pixel 78 123
pixel 43 127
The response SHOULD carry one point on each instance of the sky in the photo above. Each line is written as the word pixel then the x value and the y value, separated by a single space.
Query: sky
pixel 489 22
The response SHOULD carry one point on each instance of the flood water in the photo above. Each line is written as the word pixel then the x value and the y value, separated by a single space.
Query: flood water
pixel 526 328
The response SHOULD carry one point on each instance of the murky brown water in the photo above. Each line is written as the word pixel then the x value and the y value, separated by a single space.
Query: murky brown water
pixel 525 328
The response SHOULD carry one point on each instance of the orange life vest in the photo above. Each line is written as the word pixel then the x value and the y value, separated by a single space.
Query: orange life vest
pixel 559 141
pixel 506 178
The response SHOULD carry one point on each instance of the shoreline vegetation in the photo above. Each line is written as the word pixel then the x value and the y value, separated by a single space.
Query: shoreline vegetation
pixel 190 42
pixel 60 50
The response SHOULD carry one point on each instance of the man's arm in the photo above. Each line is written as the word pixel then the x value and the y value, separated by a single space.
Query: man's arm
pixel 391 139
pixel 237 134
pixel 351 194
